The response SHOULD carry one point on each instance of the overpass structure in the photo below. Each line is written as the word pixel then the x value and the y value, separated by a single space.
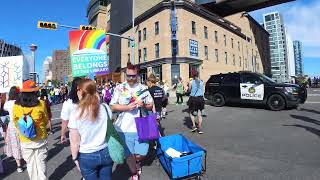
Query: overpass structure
pixel 228 7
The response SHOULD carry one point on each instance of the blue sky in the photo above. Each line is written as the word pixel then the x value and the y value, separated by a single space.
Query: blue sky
pixel 19 25
pixel 302 21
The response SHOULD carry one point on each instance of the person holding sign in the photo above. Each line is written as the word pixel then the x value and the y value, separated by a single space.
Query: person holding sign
pixel 128 99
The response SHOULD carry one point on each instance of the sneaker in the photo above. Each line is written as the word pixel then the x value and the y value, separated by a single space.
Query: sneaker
pixel 135 177
pixel 194 129
pixel 200 131
pixel 19 169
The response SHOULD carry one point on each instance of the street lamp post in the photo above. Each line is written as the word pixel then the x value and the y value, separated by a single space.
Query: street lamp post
pixel 133 34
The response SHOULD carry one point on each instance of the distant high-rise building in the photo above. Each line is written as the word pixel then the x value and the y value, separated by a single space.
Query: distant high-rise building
pixel 297 46
pixel 7 49
pixel 61 65
pixel 290 55
pixel 47 66
pixel 273 23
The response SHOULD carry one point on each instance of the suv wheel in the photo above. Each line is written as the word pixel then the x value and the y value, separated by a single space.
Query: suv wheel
pixel 218 100
pixel 276 102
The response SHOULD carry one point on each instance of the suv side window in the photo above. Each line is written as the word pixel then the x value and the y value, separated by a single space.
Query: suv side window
pixel 251 79
pixel 215 79
pixel 230 79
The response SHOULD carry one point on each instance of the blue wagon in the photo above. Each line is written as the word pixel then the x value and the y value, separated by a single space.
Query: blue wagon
pixel 192 165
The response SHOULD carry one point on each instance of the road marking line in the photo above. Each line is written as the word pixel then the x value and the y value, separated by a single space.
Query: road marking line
pixel 312 102
pixel 313 94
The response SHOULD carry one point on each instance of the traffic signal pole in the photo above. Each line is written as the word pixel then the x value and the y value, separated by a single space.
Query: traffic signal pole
pixel 65 26
pixel 73 27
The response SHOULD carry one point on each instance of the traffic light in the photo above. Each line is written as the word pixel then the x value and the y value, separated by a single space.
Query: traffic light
pixel 47 25
pixel 83 27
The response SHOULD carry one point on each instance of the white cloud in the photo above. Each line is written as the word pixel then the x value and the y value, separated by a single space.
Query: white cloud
pixel 302 21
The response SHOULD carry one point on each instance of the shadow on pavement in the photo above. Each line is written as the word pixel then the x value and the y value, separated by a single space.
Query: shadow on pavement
pixel 310 110
pixel 62 169
pixel 187 122
pixel 121 172
pixel 307 128
pixel 10 166
pixel 306 119
pixel 56 150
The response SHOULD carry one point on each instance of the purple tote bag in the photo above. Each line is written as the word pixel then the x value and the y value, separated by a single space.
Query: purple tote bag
pixel 147 127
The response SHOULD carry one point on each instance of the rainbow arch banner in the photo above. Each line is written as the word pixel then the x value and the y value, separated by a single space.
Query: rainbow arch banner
pixel 89 52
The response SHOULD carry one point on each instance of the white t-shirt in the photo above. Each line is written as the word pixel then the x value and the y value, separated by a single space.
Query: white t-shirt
pixel 92 133
pixel 67 108
pixel 8 106
pixel 124 95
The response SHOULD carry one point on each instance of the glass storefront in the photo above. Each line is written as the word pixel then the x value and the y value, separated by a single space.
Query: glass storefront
pixel 143 75
pixel 175 73
pixel 157 71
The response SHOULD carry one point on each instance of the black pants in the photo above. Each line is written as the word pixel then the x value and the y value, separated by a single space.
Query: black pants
pixel 179 96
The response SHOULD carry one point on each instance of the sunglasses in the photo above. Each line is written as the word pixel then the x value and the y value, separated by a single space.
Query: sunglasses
pixel 131 76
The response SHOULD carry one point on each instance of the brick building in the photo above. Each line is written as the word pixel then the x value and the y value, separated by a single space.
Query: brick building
pixel 61 65
pixel 199 40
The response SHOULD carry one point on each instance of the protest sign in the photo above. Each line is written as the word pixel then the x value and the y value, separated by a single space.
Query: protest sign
pixel 88 52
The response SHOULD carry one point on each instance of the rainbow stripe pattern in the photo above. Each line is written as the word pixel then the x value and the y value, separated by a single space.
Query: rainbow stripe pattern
pixel 88 39
pixel 89 51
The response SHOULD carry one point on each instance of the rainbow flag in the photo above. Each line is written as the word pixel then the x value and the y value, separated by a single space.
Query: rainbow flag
pixel 89 51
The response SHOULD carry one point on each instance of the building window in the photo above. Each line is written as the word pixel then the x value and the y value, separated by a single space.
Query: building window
pixel 139 36
pixel 226 57
pixel 194 27
pixel 175 48
pixel 232 43
pixel 144 34
pixel 157 50
pixel 216 36
pixel 156 28
pixel 225 40
pixel 144 54
pixel 205 32
pixel 234 60
pixel 216 54
pixel 240 62
pixel 206 52
pixel 139 55
pixel 238 45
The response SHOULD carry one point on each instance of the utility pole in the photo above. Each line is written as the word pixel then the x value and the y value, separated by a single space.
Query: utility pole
pixel 133 34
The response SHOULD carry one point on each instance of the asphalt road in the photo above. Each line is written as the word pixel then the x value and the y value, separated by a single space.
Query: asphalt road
pixel 243 143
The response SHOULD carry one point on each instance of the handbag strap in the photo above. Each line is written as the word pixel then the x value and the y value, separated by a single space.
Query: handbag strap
pixel 105 107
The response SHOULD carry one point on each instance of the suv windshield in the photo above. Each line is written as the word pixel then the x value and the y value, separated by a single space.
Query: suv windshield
pixel 266 78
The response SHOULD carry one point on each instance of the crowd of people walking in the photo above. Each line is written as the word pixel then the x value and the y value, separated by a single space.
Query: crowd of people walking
pixel 85 115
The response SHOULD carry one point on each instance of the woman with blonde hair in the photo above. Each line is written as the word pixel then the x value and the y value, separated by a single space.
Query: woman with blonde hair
pixel 88 128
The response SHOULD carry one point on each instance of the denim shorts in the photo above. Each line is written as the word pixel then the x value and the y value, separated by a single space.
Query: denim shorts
pixel 96 165
pixel 133 146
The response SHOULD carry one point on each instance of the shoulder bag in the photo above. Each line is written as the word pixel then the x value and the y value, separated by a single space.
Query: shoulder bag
pixel 115 143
